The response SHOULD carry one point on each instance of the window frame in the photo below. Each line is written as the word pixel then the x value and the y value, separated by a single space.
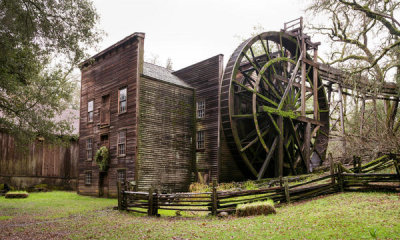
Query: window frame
pixel 200 143
pixel 121 143
pixel 90 113
pixel 87 174
pixel 89 150
pixel 201 108
pixel 125 100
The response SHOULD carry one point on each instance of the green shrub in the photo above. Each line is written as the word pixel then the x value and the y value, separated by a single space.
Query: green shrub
pixel 249 185
pixel 199 187
pixel 255 208
pixel 102 158
pixel 17 194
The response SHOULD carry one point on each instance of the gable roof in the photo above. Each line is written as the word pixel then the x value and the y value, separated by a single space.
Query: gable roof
pixel 163 74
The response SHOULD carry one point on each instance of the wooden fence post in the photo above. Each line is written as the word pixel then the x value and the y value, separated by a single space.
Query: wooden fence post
pixel 332 168
pixel 155 204
pixel 357 164
pixel 287 194
pixel 119 195
pixel 150 202
pixel 340 177
pixel 214 198
pixel 124 202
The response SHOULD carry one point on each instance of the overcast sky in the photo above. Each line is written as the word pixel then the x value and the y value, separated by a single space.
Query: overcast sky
pixel 189 31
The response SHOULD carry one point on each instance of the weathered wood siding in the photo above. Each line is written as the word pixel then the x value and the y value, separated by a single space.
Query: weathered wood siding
pixel 205 77
pixel 166 134
pixel 113 69
pixel 228 169
pixel 54 165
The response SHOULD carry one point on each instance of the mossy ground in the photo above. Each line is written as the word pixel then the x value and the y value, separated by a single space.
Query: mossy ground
pixel 56 215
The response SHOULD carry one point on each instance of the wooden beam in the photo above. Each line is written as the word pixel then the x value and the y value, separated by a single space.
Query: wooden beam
pixel 280 147
pixel 268 158
pixel 341 108
pixel 296 84
pixel 303 80
pixel 315 85
pixel 291 80
pixel 362 115
pixel 307 142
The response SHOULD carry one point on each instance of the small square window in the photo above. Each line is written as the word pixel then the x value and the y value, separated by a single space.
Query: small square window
pixel 122 103
pixel 122 143
pixel 121 175
pixel 90 111
pixel 89 149
pixel 201 107
pixel 88 178
pixel 200 140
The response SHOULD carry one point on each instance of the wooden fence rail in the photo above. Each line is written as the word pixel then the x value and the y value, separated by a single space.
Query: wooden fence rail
pixel 226 201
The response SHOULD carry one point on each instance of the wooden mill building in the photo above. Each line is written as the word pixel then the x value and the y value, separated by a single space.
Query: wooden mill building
pixel 161 127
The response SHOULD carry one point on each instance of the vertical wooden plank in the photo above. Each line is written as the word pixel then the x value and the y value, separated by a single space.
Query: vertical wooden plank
pixel 340 177
pixel 119 195
pixel 332 168
pixel 214 198
pixel 307 145
pixel 150 202
pixel 287 194
pixel 280 147
pixel 303 79
pixel 362 115
pixel 315 85
pixel 341 108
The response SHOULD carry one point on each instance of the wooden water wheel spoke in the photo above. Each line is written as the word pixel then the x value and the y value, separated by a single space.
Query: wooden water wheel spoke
pixel 267 135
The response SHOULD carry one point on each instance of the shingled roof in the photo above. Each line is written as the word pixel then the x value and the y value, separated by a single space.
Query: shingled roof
pixel 163 74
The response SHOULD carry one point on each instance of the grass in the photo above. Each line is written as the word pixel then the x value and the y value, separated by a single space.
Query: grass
pixel 60 215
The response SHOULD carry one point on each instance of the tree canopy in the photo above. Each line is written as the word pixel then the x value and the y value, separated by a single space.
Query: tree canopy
pixel 364 37
pixel 41 42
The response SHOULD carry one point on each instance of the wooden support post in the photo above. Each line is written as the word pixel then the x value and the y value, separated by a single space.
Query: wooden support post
pixel 307 144
pixel 315 85
pixel 214 198
pixel 150 202
pixel 341 107
pixel 303 77
pixel 280 147
pixel 119 195
pixel 396 164
pixel 340 177
pixel 332 168
pixel 357 164
pixel 287 194
pixel 125 196
pixel 375 114
pixel 362 115
pixel 155 203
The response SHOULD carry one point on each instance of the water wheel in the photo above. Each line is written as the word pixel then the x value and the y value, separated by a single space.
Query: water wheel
pixel 260 108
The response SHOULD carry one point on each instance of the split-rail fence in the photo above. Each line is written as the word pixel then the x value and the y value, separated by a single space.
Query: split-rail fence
pixel 338 180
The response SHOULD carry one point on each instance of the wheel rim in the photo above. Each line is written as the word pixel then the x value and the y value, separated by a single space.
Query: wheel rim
pixel 253 85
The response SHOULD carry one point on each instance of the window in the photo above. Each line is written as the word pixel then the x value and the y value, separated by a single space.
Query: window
pixel 122 100
pixel 105 110
pixel 200 140
pixel 201 107
pixel 104 140
pixel 88 178
pixel 90 111
pixel 121 177
pixel 89 149
pixel 122 143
